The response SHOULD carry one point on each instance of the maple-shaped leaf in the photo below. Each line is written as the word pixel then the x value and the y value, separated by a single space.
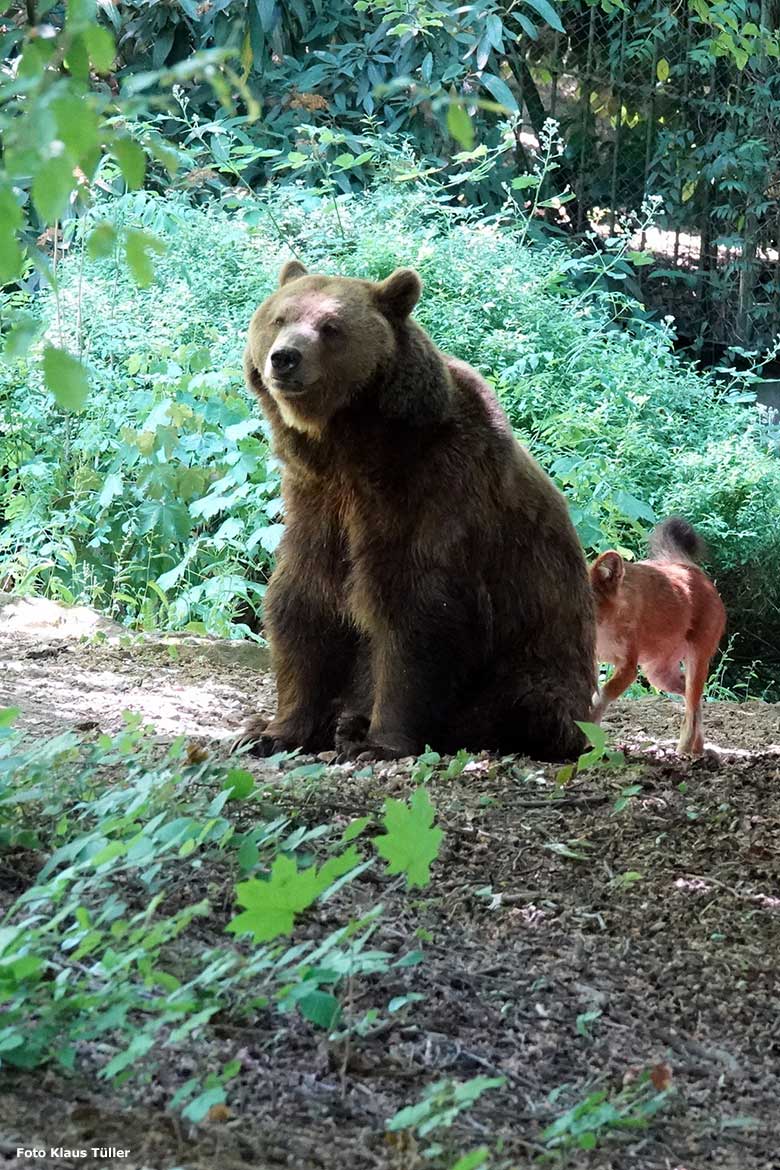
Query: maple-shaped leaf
pixel 271 905
pixel 411 841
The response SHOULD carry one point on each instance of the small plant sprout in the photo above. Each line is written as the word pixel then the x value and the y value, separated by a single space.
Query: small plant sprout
pixel 600 755
pixel 601 1114
pixel 441 1104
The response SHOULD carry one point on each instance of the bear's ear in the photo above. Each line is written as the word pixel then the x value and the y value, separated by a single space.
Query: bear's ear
pixel 607 572
pixel 291 271
pixel 397 296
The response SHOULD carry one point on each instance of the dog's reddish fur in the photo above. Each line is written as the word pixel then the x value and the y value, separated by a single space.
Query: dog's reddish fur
pixel 657 614
pixel 430 587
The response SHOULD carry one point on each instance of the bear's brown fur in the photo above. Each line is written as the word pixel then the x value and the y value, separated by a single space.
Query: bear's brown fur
pixel 430 587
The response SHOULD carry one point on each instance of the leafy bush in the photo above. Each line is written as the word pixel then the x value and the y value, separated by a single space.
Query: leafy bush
pixel 118 935
pixel 160 501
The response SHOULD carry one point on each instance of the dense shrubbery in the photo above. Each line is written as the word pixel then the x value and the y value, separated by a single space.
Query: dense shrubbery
pixel 160 503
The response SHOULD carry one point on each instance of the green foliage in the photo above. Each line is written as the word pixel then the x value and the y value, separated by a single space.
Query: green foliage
pixel 599 754
pixel 441 1104
pixel 411 842
pixel 585 1126
pixel 159 502
pixel 62 136
pixel 65 377
pixel 474 1160
pixel 114 938
pixel 422 70
pixel 271 905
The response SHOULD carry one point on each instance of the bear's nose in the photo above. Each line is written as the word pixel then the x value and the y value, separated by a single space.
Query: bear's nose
pixel 285 359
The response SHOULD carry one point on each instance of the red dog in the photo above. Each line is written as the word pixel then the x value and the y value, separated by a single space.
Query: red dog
pixel 657 614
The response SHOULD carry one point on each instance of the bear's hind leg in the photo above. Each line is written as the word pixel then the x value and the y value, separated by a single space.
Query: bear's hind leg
pixel 540 722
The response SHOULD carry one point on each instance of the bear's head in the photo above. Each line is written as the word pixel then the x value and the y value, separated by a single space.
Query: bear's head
pixel 318 341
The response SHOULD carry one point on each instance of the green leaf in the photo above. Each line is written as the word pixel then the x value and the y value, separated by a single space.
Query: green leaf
pixel 401 1001
pixel 335 868
pixel 459 125
pixel 10 253
pixel 138 244
pixel 131 159
pixel 77 125
pixel 22 334
pixel 79 13
pixel 662 70
pixel 320 1008
pixel 239 783
pixel 632 507
pixel 199 1107
pixel 52 186
pixel 411 842
pixel 77 58
pixel 109 853
pixel 65 377
pixel 231 1069
pixel 595 734
pixel 624 881
pixel 10 1038
pixel 470 1091
pixel 640 259
pixel 500 91
pixel 11 220
pixel 547 12
pixel 248 854
pixel 271 905
pixel 137 1049
pixel 355 828
pixel 584 1020
pixel 112 487
pixel 564 850
pixel 474 1160
pixel 522 182
pixel 100 46
pixel 8 715
pixel 564 774
pixel 101 240
pixel 269 17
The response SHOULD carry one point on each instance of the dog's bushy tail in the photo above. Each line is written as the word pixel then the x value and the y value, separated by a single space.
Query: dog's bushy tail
pixel 676 540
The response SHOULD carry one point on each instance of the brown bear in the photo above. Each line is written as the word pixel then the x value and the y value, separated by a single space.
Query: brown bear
pixel 430 587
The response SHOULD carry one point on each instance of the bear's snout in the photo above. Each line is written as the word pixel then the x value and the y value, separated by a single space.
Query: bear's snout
pixel 285 360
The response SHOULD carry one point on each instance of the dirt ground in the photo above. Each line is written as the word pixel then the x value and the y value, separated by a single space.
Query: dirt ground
pixel 677 966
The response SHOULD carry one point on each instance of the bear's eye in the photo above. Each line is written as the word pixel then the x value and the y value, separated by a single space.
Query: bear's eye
pixel 330 329
pixel 278 321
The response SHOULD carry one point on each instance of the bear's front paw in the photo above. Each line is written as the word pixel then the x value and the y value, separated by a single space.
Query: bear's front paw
pixel 251 732
pixel 369 750
pixel 377 751
pixel 259 736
